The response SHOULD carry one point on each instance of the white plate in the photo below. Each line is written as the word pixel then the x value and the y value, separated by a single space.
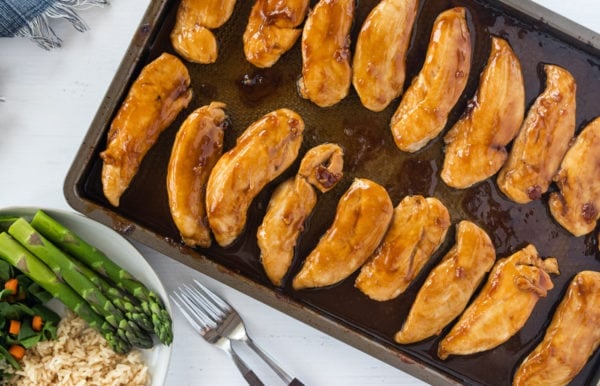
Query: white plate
pixel 127 256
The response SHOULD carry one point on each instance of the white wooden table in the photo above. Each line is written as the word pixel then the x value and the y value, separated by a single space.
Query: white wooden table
pixel 51 98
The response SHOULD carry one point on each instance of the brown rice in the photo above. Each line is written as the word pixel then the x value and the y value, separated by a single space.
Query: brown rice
pixel 80 356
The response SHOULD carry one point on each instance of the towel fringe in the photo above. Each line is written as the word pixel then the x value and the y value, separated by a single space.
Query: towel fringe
pixel 39 28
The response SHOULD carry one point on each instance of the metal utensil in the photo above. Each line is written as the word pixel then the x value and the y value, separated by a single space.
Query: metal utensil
pixel 219 323
pixel 206 327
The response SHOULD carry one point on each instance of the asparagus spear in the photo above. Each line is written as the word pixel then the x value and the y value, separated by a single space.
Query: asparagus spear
pixel 123 301
pixel 64 268
pixel 15 254
pixel 98 261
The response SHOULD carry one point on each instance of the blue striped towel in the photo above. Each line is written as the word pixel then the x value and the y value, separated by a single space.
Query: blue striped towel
pixel 32 18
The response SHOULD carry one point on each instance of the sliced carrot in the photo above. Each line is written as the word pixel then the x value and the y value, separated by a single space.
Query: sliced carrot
pixel 14 327
pixel 17 351
pixel 37 323
pixel 12 285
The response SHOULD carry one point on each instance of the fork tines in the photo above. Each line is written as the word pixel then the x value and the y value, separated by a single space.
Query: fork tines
pixel 201 307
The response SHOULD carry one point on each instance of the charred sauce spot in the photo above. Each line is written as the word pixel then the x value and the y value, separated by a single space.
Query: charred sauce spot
pixel 534 192
pixel 589 212
pixel 326 178
pixel 256 86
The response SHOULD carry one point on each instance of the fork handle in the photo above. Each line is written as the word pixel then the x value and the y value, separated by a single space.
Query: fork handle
pixel 273 365
pixel 248 374
pixel 252 379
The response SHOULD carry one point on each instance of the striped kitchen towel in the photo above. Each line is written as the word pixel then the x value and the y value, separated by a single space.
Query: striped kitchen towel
pixel 31 19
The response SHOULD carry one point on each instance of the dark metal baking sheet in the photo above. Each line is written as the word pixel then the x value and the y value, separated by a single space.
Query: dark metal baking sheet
pixel 536 35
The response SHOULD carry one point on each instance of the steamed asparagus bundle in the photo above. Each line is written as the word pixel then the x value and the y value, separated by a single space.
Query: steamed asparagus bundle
pixel 36 270
pixel 150 302
pixel 70 271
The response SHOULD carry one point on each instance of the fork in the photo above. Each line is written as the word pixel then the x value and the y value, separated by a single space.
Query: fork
pixel 217 321
pixel 205 326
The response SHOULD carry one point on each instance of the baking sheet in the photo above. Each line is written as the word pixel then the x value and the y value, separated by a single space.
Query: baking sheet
pixel 342 311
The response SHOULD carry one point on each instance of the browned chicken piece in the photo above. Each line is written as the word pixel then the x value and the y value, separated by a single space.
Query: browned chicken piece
pixel 380 55
pixel 512 290
pixel 475 146
pixel 426 104
pixel 577 206
pixel 542 141
pixel 290 205
pixel 264 151
pixel 326 71
pixel 197 147
pixel 418 227
pixel 191 36
pixel 323 166
pixel 571 338
pixel 272 30
pixel 450 285
pixel 362 217
pixel 158 94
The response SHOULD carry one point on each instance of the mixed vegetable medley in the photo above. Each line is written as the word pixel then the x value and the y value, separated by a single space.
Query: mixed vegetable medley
pixel 24 319
pixel 41 259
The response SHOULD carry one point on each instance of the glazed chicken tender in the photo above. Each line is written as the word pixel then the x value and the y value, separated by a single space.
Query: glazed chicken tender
pixel 571 338
pixel 361 220
pixel 418 228
pixel 158 94
pixel 426 104
pixel 449 285
pixel 475 146
pixel 322 166
pixel 272 30
pixel 192 37
pixel 577 205
pixel 264 151
pixel 380 55
pixel 326 72
pixel 542 141
pixel 512 290
pixel 290 205
pixel 197 147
